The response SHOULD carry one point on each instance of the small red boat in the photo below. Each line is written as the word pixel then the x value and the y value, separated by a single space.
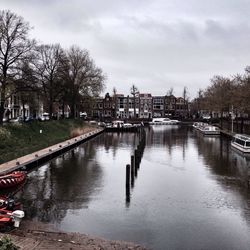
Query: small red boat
pixel 12 179
pixel 9 203
pixel 10 219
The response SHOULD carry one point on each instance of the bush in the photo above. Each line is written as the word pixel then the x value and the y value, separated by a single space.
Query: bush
pixel 7 244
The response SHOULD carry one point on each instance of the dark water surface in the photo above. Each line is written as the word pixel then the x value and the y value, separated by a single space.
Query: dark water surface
pixel 190 192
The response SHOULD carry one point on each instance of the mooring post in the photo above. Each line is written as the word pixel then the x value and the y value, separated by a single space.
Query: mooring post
pixel 135 163
pixel 132 170
pixel 127 175
pixel 127 184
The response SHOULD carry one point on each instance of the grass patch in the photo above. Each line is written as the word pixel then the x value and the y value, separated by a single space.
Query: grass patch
pixel 17 140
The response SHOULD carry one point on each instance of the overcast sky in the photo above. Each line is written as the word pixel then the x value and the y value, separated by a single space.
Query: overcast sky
pixel 154 44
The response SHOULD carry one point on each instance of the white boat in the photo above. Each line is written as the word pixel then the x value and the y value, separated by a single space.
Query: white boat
pixel 163 121
pixel 209 130
pixel 117 124
pixel 241 142
pixel 198 125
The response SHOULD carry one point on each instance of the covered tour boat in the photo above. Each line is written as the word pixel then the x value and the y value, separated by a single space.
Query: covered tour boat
pixel 241 142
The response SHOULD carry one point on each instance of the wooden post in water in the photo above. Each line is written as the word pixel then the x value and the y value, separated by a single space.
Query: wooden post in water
pixel 127 175
pixel 127 184
pixel 135 162
pixel 132 170
pixel 137 159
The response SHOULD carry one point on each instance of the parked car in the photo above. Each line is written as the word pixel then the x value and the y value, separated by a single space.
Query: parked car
pixel 83 115
pixel 29 119
pixel 43 117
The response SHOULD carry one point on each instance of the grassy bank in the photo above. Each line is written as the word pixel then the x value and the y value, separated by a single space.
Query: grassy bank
pixel 20 139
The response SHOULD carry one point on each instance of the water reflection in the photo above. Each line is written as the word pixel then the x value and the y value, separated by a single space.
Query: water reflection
pixel 228 165
pixel 191 191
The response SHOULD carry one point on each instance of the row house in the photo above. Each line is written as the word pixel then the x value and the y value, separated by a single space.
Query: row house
pixel 125 107
pixel 158 106
pixel 104 108
pixel 14 107
pixel 181 107
pixel 143 106
pixel 145 101
pixel 170 105
pixel 121 106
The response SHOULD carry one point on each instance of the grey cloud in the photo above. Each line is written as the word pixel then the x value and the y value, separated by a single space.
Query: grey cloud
pixel 153 44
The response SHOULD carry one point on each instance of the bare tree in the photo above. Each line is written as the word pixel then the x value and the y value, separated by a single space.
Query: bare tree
pixel 219 95
pixel 48 67
pixel 83 77
pixel 26 86
pixel 185 98
pixel 115 100
pixel 134 92
pixel 170 92
pixel 14 47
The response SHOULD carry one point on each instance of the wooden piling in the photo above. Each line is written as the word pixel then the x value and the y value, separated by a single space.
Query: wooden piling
pixel 127 184
pixel 132 170
pixel 127 175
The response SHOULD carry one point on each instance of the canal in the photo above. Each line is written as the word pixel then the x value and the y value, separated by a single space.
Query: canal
pixel 190 192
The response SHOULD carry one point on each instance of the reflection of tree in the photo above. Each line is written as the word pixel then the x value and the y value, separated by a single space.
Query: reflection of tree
pixel 230 168
pixel 68 181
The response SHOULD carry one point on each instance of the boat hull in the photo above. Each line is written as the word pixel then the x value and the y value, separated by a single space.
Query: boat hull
pixel 240 148
pixel 12 180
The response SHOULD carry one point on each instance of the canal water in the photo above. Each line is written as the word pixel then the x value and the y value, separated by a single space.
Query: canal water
pixel 190 192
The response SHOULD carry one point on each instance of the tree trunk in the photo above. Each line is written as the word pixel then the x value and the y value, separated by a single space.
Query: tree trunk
pixel 2 102
pixel 1 112
pixel 23 111
pixel 63 113
pixel 72 110
pixel 241 125
pixel 50 109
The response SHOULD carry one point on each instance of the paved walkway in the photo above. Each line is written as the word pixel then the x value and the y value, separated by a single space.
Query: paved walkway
pixel 45 240
pixel 33 157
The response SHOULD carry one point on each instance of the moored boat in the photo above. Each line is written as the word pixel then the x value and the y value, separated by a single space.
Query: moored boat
pixel 210 130
pixel 198 125
pixel 9 203
pixel 163 121
pixel 12 179
pixel 241 142
pixel 10 219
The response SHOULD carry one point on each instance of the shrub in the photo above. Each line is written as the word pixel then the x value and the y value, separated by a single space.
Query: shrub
pixel 7 244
